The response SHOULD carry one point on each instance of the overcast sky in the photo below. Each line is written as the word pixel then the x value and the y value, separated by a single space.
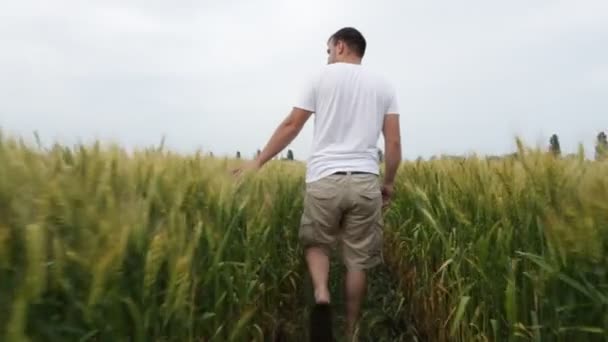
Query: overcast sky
pixel 220 75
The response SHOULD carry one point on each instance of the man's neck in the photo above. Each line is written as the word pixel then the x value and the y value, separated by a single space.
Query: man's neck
pixel 351 60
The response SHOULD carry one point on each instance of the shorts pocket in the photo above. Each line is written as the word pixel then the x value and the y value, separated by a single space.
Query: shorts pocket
pixel 376 246
pixel 322 190
pixel 370 201
pixel 374 252
pixel 306 233
pixel 371 194
pixel 321 195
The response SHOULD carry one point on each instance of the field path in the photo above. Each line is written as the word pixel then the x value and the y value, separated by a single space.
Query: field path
pixel 383 316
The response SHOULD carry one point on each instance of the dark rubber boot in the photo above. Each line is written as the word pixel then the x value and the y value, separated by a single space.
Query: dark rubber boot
pixel 321 323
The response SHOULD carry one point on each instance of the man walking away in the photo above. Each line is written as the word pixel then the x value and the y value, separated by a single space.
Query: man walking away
pixel 344 196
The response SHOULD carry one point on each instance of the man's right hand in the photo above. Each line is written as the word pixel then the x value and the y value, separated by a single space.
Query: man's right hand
pixel 250 166
pixel 387 194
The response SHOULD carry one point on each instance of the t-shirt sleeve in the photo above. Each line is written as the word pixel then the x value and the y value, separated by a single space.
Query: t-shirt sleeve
pixel 393 102
pixel 307 97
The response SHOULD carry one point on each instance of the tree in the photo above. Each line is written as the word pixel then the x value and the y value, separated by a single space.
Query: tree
pixel 238 154
pixel 257 154
pixel 554 145
pixel 601 147
pixel 289 155
pixel 380 156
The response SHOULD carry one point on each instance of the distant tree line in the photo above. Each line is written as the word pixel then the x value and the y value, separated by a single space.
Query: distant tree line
pixel 601 146
pixel 290 155
pixel 554 147
pixel 601 150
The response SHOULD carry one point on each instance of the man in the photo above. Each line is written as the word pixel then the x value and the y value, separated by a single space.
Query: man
pixel 344 199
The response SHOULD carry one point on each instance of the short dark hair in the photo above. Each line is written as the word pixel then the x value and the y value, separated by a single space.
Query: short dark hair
pixel 352 38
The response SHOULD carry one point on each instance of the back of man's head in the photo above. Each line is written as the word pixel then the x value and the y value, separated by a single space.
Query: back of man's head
pixel 352 38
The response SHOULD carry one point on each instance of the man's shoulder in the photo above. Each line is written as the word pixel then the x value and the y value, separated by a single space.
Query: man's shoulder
pixel 329 69
pixel 382 80
pixel 379 77
pixel 347 70
pixel 337 72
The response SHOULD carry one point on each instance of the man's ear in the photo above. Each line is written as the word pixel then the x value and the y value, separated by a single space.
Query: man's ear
pixel 341 47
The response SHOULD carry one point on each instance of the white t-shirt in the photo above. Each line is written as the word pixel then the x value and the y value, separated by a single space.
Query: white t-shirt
pixel 349 103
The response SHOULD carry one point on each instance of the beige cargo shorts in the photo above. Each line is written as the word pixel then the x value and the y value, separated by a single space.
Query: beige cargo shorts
pixel 344 212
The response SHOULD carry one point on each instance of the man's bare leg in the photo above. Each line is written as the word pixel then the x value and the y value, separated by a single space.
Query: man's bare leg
pixel 318 267
pixel 356 282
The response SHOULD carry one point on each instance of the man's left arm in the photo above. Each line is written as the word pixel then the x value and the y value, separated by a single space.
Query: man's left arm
pixel 284 134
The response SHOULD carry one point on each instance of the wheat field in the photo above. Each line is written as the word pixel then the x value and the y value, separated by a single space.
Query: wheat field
pixel 101 244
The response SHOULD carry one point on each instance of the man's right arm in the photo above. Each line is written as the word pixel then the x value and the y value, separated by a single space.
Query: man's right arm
pixel 392 154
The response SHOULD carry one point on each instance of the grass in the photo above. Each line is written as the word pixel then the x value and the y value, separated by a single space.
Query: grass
pixel 97 244
pixel 510 250
pixel 100 245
